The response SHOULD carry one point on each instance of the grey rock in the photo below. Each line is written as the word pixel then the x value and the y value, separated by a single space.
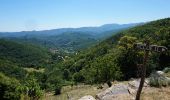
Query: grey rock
pixel 121 91
pixel 160 72
pixel 113 92
pixel 135 83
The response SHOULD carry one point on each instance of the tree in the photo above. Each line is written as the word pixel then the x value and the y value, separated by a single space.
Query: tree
pixel 78 77
pixel 8 88
pixel 125 55
pixel 31 88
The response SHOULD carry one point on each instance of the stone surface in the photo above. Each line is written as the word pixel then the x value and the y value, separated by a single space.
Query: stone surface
pixel 127 90
pixel 113 92
pixel 160 72
pixel 88 97
pixel 121 90
pixel 135 83
pixel 118 97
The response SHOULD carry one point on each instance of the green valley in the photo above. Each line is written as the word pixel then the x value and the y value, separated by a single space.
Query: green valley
pixel 30 67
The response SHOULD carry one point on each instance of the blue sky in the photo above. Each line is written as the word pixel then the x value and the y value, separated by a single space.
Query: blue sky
pixel 24 15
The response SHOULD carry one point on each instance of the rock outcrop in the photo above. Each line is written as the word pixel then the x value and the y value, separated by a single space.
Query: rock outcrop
pixel 120 91
pixel 128 90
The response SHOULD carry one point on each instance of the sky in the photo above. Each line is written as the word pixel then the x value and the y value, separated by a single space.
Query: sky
pixel 28 15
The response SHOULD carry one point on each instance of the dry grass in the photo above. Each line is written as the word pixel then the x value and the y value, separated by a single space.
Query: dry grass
pixel 167 74
pixel 41 70
pixel 75 92
pixel 152 93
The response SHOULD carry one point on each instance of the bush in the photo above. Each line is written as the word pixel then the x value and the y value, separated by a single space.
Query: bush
pixel 11 89
pixel 109 83
pixel 8 88
pixel 53 79
pixel 78 77
pixel 58 90
pixel 158 80
pixel 166 70
pixel 31 89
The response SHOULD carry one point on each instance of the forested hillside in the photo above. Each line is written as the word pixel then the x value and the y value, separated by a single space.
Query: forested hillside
pixel 68 42
pixel 28 71
pixel 15 79
pixel 116 59
pixel 24 55
pixel 67 39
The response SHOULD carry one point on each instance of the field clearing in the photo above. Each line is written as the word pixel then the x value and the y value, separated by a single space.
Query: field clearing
pixel 75 92
pixel 41 70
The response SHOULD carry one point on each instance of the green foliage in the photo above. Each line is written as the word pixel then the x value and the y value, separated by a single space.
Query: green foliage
pixel 104 69
pixel 66 74
pixel 58 90
pixel 113 59
pixel 78 77
pixel 53 79
pixel 126 55
pixel 23 55
pixel 116 59
pixel 109 83
pixel 68 41
pixel 12 70
pixel 32 89
pixel 8 88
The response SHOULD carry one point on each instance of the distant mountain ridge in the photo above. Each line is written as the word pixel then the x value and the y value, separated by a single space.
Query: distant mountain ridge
pixel 92 30
pixel 69 39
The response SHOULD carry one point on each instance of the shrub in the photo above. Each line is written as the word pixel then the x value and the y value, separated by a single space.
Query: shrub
pixel 31 89
pixel 166 70
pixel 8 88
pixel 109 83
pixel 158 80
pixel 58 90
pixel 78 77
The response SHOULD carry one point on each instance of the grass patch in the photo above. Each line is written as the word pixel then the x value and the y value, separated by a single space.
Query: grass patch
pixel 41 70
pixel 75 92
pixel 156 93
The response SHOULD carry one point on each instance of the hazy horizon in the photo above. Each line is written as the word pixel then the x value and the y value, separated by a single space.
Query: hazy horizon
pixel 74 27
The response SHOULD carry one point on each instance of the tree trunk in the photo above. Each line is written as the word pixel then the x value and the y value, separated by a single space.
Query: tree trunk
pixel 143 74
